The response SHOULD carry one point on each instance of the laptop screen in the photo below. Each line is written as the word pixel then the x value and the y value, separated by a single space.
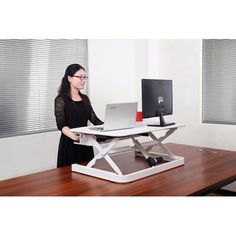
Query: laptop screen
pixel 120 115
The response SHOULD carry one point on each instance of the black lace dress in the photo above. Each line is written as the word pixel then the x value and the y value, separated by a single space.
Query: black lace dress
pixel 73 114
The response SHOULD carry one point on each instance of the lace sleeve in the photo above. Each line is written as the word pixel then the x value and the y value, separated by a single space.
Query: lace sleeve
pixel 60 112
pixel 93 118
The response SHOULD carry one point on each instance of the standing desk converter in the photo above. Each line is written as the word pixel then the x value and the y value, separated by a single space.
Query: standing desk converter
pixel 106 150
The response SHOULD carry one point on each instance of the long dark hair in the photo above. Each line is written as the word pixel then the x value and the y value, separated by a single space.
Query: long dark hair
pixel 64 89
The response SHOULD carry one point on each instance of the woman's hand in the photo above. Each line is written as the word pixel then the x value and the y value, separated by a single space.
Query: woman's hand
pixel 66 131
pixel 75 137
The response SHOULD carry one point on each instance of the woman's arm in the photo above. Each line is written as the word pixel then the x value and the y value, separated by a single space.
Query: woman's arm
pixel 93 118
pixel 66 131
pixel 60 119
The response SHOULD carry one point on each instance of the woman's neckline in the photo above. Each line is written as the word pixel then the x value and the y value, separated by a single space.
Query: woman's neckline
pixel 76 100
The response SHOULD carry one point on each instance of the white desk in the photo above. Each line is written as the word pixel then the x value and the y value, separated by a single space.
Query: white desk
pixel 88 137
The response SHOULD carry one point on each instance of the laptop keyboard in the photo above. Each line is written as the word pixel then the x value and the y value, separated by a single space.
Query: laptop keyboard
pixel 94 128
pixel 97 128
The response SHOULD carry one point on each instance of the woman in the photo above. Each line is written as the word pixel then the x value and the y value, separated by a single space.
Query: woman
pixel 73 109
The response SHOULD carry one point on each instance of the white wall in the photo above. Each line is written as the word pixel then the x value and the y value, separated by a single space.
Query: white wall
pixel 140 67
pixel 111 73
pixel 28 154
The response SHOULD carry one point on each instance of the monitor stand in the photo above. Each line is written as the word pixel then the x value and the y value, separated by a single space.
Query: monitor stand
pixel 162 122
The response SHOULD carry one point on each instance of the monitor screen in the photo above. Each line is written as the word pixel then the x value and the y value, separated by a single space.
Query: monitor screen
pixel 157 99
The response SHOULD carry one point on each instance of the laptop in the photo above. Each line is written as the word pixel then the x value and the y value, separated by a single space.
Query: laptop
pixel 119 116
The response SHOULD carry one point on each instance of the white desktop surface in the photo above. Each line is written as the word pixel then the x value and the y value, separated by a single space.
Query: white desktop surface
pixel 124 132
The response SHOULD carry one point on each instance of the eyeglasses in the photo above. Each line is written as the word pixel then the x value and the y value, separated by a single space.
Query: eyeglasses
pixel 81 77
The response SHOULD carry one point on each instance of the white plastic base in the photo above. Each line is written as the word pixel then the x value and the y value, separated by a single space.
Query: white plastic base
pixel 120 178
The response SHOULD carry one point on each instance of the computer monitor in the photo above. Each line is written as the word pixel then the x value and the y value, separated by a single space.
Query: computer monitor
pixel 157 100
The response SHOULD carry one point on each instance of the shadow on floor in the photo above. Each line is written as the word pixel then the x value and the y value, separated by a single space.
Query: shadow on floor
pixel 222 192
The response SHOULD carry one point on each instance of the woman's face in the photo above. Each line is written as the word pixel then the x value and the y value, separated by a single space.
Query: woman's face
pixel 78 80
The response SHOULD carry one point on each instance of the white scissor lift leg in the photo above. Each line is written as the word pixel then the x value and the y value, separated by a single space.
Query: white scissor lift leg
pixel 103 153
